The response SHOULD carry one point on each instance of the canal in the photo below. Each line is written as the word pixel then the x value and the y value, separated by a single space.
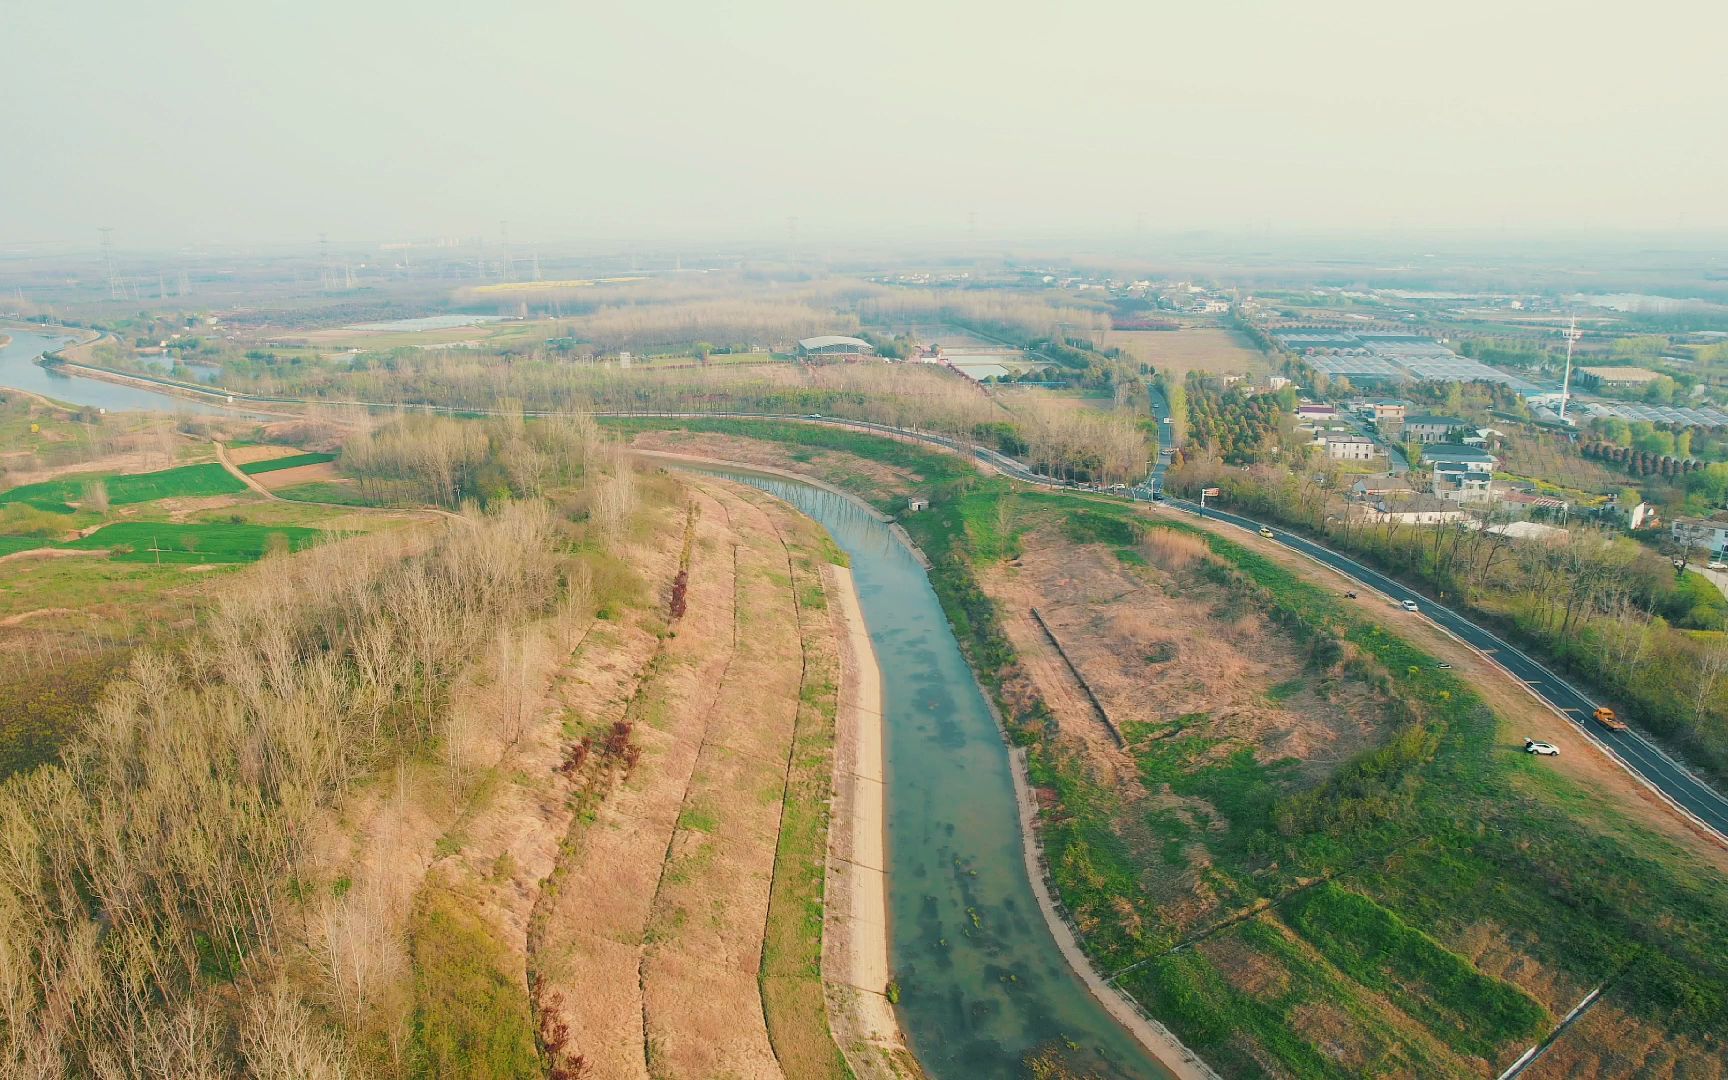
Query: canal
pixel 20 371
pixel 984 986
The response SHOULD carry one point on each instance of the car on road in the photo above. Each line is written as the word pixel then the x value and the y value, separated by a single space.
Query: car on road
pixel 1167 420
pixel 1545 749
pixel 1409 605
pixel 1717 566
pixel 1264 531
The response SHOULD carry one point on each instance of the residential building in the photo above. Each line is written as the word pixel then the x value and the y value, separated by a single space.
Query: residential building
pixel 1316 412
pixel 1385 412
pixel 1709 533
pixel 1412 510
pixel 1381 485
pixel 1429 428
pixel 1349 447
pixel 1460 473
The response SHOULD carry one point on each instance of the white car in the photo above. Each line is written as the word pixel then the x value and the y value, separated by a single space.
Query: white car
pixel 1546 749
pixel 1717 566
pixel 1410 605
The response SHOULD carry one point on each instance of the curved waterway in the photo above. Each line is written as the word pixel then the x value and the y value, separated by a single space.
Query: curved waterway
pixel 983 985
pixel 20 371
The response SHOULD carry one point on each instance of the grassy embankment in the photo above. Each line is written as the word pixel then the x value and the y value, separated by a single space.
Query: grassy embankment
pixel 1425 841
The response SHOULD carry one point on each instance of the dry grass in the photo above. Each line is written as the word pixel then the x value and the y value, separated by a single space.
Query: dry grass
pixel 655 944
pixel 1212 350
pixel 1170 550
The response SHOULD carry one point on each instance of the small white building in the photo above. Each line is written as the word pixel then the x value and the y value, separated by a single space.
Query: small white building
pixel 1349 447
pixel 1416 510
pixel 1428 428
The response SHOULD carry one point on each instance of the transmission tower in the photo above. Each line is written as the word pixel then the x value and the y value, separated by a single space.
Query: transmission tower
pixel 504 239
pixel 326 280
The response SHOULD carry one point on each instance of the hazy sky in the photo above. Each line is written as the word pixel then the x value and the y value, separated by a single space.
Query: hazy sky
pixel 241 120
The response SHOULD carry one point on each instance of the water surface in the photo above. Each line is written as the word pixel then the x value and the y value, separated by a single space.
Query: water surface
pixel 19 370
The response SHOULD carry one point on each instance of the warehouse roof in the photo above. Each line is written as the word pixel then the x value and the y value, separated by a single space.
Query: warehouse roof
pixel 828 341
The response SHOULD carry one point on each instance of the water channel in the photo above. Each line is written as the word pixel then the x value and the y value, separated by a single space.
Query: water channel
pixel 983 984
pixel 20 371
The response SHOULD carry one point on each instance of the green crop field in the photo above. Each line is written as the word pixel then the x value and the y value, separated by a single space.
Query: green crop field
pixel 128 488
pixel 153 541
pixel 176 542
pixel 293 461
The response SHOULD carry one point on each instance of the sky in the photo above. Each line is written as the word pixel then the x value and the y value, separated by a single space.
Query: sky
pixel 209 121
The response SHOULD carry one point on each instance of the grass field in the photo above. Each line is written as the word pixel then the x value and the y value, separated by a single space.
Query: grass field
pixel 1213 350
pixel 292 461
pixel 323 491
pixel 209 478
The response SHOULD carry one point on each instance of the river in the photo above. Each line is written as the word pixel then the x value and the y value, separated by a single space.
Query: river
pixel 19 371
pixel 983 983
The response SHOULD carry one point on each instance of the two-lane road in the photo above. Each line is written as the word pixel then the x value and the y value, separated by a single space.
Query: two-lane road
pixel 1640 756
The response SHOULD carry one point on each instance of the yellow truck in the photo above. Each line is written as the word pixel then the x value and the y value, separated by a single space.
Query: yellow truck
pixel 1605 716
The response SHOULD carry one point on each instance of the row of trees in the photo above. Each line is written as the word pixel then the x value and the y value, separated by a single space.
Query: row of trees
pixel 1082 444
pixel 1640 462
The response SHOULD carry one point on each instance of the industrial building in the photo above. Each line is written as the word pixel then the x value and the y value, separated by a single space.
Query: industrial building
pixel 835 345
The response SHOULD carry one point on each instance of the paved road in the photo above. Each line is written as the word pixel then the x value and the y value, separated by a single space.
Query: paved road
pixel 1637 753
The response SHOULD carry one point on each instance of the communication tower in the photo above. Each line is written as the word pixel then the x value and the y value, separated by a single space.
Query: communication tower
pixel 1566 383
